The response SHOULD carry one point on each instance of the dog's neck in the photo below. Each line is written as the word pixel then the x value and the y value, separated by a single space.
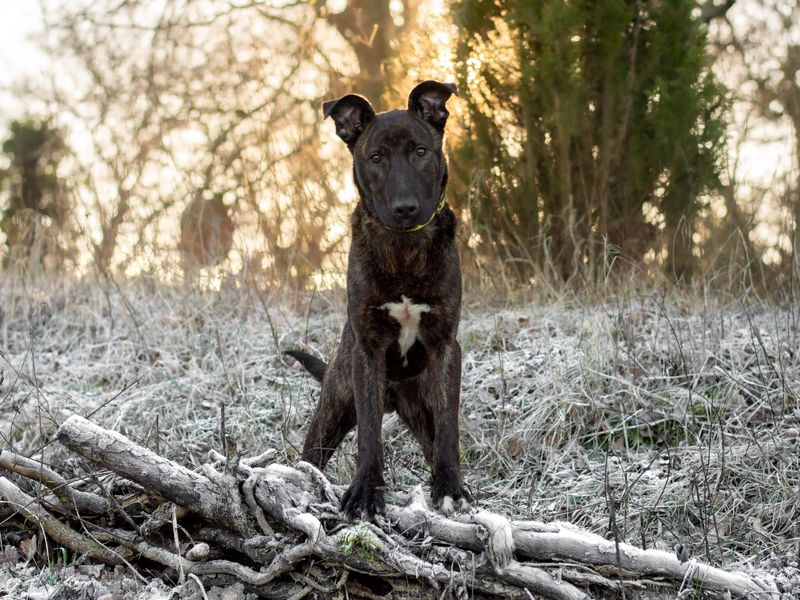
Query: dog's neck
pixel 401 253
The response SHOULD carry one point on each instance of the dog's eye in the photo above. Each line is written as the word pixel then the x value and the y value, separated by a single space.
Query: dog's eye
pixel 421 150
pixel 375 157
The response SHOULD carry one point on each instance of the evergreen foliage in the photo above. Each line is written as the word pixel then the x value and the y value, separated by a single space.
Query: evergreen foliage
pixel 35 207
pixel 595 128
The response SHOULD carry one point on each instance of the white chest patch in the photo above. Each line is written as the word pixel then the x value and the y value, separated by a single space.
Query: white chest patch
pixel 407 314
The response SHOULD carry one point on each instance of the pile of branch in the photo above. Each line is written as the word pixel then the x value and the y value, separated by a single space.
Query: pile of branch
pixel 277 530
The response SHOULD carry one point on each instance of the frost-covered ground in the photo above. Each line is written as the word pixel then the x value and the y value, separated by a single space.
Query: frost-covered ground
pixel 661 421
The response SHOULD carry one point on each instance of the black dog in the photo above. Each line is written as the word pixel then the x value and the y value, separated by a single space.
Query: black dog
pixel 398 349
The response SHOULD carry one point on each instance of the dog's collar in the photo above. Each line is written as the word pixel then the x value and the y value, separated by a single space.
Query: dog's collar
pixel 435 214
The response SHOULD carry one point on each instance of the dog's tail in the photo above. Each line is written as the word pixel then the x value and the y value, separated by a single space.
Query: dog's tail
pixel 312 364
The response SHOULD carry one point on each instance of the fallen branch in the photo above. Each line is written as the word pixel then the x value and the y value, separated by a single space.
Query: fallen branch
pixel 67 497
pixel 276 529
pixel 59 532
pixel 196 492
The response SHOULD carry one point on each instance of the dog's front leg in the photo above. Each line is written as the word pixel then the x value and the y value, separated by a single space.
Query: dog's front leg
pixel 441 388
pixel 364 497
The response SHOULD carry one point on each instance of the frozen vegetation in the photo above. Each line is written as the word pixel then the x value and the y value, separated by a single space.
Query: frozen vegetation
pixel 668 422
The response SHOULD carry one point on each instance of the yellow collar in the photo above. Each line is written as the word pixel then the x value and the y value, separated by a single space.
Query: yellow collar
pixel 435 214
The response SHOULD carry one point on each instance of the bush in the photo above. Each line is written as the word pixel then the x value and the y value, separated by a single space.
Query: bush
pixel 35 208
pixel 595 129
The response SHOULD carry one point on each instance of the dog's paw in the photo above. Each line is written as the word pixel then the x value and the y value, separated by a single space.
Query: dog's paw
pixel 449 506
pixel 449 496
pixel 364 498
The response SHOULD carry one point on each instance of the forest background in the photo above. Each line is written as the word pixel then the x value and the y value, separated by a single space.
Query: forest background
pixel 590 141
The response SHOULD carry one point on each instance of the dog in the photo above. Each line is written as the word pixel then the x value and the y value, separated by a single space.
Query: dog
pixel 398 349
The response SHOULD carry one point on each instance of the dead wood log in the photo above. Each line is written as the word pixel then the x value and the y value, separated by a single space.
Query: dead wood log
pixel 265 525
pixel 213 499
pixel 73 499
pixel 563 541
pixel 31 510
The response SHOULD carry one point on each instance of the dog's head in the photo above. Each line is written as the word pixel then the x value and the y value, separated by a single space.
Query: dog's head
pixel 399 165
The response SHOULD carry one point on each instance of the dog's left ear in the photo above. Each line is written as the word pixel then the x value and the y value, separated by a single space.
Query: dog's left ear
pixel 428 101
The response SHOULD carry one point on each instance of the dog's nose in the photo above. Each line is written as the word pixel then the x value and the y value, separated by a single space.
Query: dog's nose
pixel 405 209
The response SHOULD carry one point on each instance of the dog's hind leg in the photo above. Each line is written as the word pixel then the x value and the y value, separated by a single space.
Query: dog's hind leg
pixel 335 415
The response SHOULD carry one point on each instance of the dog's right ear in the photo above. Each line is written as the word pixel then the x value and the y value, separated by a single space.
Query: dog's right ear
pixel 351 114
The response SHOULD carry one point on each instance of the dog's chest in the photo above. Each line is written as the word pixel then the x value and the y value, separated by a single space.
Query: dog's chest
pixel 408 315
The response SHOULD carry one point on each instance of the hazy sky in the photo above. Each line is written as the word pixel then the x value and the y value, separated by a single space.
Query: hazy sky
pixel 19 19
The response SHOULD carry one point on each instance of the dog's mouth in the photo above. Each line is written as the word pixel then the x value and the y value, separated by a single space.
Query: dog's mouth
pixel 411 223
pixel 408 223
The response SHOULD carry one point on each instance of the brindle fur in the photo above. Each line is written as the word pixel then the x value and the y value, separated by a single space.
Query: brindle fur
pixel 366 376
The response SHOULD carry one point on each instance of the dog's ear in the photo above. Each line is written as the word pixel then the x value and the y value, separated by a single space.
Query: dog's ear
pixel 428 100
pixel 351 114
